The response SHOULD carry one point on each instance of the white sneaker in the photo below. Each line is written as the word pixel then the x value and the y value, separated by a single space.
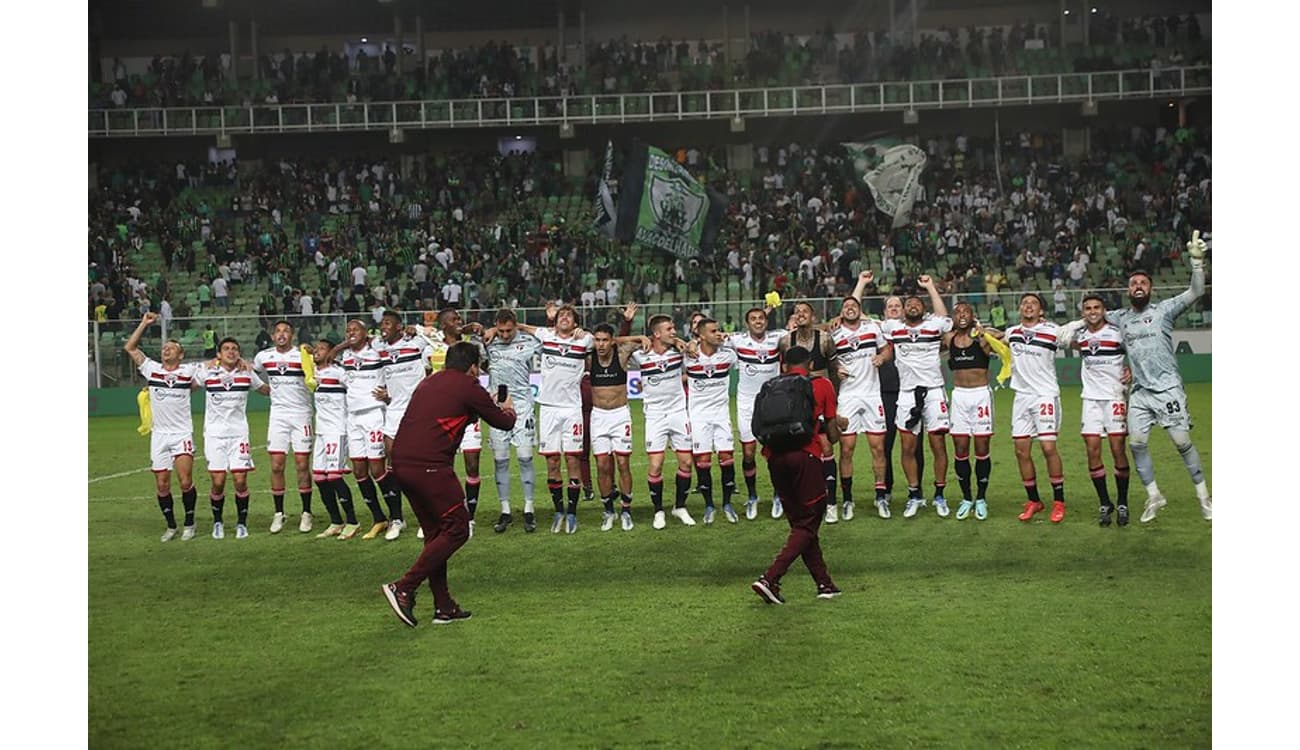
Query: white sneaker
pixel 709 511
pixel 751 508
pixel 941 507
pixel 832 514
pixel 1154 504
pixel 168 535
pixel 277 523
pixel 218 530
pixel 848 511
pixel 1207 508
pixel 681 514
pixel 394 529
pixel 882 508
pixel 187 533
pixel 659 521
pixel 730 513
pixel 241 531
pixel 471 529
pixel 776 507
pixel 626 519
pixel 607 521
pixel 419 533
pixel 304 523
pixel 914 504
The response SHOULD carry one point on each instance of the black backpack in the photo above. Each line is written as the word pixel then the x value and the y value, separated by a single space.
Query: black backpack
pixel 783 413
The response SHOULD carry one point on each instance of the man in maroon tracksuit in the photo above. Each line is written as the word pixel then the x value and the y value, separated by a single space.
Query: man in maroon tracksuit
pixel 441 407
pixel 798 480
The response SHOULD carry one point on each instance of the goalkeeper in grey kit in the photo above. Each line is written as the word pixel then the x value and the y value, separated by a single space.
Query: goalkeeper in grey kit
pixel 1157 396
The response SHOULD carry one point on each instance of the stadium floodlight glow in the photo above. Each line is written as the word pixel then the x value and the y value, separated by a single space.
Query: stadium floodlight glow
pixel 519 138
pixel 1094 10
pixel 364 40
pixel 1067 12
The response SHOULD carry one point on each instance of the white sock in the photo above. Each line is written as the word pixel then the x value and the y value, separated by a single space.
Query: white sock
pixel 1202 491
pixel 505 506
pixel 1152 490
pixel 528 505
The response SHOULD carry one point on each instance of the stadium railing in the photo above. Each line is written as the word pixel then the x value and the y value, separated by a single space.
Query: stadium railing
pixel 109 366
pixel 657 106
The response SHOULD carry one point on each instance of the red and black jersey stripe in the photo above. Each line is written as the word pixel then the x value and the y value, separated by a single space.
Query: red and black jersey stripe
pixel 701 372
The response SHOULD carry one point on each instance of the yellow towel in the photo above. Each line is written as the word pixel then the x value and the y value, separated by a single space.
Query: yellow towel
pixel 1003 353
pixel 308 367
pixel 146 411
pixel 773 300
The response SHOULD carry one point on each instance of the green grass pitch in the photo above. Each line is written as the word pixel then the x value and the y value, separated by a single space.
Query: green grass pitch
pixel 949 634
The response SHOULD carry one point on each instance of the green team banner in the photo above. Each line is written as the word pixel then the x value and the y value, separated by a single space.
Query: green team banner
pixel 661 205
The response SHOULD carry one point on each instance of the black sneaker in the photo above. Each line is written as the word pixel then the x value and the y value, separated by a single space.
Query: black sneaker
pixel 768 591
pixel 825 591
pixel 502 523
pixel 530 523
pixel 446 618
pixel 403 604
pixel 1104 519
pixel 587 494
pixel 1121 515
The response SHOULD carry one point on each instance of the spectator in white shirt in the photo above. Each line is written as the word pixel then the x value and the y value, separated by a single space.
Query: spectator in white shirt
pixel 359 276
pixel 221 293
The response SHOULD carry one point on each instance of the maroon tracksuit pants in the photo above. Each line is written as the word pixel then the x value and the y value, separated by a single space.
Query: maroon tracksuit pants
pixel 438 500
pixel 798 479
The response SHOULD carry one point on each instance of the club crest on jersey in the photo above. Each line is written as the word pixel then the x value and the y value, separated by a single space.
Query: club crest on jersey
pixel 913 334
pixel 709 370
pixel 170 379
pixel 227 380
pixel 282 367
pixel 1094 346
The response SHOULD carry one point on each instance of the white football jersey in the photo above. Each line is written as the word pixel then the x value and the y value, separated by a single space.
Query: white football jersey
pixel 408 360
pixel 225 412
pixel 661 381
pixel 708 381
pixel 1033 356
pixel 758 361
pixel 169 395
pixel 916 350
pixel 1102 370
pixel 564 360
pixel 331 400
pixel 283 372
pixel 854 348
pixel 365 372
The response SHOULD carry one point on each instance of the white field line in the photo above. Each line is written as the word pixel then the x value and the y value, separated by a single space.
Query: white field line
pixel 129 472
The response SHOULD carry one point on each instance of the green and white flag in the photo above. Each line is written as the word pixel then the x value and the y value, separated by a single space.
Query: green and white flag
pixel 605 211
pixel 661 205
pixel 892 171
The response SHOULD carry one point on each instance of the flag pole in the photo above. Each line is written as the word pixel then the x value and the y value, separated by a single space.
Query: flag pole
pixel 997 148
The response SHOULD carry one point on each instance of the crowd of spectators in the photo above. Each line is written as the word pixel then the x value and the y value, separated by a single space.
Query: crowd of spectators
pixel 351 236
pixel 500 69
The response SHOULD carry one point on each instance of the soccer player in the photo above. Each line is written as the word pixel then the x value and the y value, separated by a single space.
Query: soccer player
pixel 1157 395
pixel 663 401
pixel 972 407
pixel 452 329
pixel 1036 411
pixel 510 363
pixel 611 420
pixel 860 349
pixel 564 357
pixel 708 380
pixel 806 333
pixel 171 442
pixel 366 393
pixel 423 457
pixel 889 396
pixel 758 357
pixel 289 426
pixel 408 363
pixel 922 404
pixel 796 475
pixel 1101 346
pixel 226 446
pixel 330 457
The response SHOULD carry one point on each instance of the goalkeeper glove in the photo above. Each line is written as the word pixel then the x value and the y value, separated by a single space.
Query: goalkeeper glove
pixel 1196 251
